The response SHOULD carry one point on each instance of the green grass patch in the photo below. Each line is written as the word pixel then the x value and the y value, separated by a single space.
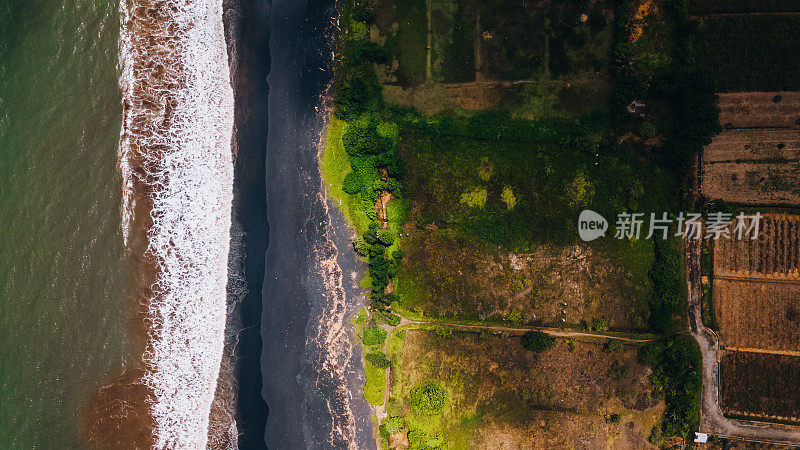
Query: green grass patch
pixel 375 384
pixel 408 43
pixel 334 165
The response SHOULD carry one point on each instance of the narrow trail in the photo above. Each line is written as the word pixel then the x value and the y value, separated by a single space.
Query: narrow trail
pixel 550 331
pixel 712 420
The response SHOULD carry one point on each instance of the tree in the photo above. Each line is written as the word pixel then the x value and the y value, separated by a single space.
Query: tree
pixel 352 183
pixel 429 399
pixel 537 341
pixel 374 336
pixel 370 52
pixel 667 296
pixel 379 359
pixel 357 95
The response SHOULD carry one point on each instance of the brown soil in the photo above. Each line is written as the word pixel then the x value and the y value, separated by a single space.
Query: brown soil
pixel 761 385
pixel 756 159
pixel 756 292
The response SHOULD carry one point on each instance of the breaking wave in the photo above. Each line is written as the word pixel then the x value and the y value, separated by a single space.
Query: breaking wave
pixel 176 163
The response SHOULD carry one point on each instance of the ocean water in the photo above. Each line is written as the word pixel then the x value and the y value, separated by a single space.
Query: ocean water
pixel 64 303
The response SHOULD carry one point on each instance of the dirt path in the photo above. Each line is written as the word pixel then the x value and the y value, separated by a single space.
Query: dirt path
pixel 712 420
pixel 551 331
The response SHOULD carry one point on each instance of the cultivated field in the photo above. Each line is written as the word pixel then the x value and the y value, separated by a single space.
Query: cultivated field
pixel 775 254
pixel 503 396
pixel 756 160
pixel 755 314
pixel 761 386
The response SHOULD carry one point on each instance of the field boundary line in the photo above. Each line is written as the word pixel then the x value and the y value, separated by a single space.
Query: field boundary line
pixel 757 279
pixel 763 350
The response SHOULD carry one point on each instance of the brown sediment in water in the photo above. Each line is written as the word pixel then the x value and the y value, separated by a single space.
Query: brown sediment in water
pixel 118 415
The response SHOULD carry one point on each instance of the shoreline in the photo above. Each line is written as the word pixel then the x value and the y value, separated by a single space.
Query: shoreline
pixel 308 363
pixel 176 163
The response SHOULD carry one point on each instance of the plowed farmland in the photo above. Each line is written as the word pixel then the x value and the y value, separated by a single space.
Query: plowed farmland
pixel 761 386
pixel 757 287
pixel 756 160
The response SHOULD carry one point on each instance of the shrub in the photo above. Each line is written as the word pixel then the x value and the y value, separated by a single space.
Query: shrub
pixel 428 399
pixel 358 31
pixel 363 11
pixel 667 295
pixel 537 341
pixel 677 366
pixel 370 52
pixel 476 198
pixel 612 346
pixel 357 95
pixel 379 359
pixel 613 418
pixel 393 320
pixel 361 247
pixel 374 336
pixel 508 197
pixel 352 183
pixel 618 371
pixel 392 425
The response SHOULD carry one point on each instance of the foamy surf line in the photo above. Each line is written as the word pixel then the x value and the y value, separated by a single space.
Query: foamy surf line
pixel 175 153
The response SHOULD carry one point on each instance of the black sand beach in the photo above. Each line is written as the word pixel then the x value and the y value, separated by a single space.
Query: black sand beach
pixel 310 381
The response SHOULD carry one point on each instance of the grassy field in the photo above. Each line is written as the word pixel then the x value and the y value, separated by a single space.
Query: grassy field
pixel 451 277
pixel 500 395
pixel 403 24
pixel 760 385
pixel 334 166
pixel 750 52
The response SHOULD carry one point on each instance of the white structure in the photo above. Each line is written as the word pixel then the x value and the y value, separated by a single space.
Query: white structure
pixel 701 438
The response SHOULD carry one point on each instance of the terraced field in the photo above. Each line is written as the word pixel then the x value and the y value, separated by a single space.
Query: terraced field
pixel 757 287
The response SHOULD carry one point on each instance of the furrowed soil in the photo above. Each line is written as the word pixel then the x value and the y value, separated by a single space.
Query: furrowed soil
pixel 756 159
pixel 761 385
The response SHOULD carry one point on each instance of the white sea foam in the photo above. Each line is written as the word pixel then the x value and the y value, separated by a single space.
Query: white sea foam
pixel 176 142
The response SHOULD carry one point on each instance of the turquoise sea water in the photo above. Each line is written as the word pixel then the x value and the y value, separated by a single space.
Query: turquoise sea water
pixel 63 274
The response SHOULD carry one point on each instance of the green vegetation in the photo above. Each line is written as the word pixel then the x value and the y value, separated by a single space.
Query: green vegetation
pixel 660 68
pixel 378 359
pixel 548 170
pixel 612 346
pixel 677 374
pixel 369 139
pixel 537 341
pixel 492 196
pixel 428 399
pixel 751 52
pixel 374 385
pixel 407 43
pixel 668 298
pixel 374 336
